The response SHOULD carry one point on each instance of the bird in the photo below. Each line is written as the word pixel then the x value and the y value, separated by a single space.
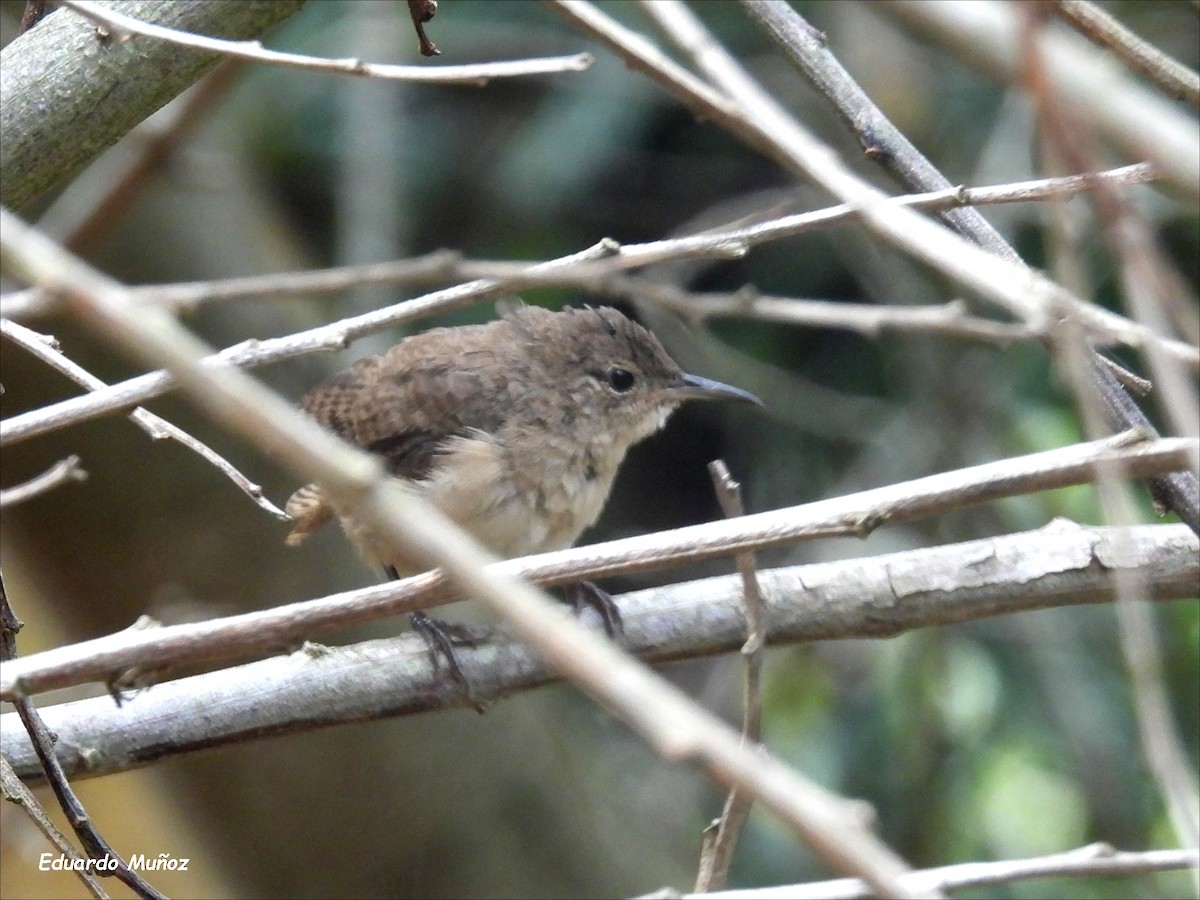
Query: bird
pixel 514 429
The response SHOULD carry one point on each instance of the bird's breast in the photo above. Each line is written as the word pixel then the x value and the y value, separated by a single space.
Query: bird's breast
pixel 514 504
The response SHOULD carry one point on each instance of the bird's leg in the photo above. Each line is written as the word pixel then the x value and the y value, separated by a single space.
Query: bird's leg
pixel 443 637
pixel 582 594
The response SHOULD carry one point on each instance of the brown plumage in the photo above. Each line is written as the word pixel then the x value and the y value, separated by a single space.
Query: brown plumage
pixel 514 429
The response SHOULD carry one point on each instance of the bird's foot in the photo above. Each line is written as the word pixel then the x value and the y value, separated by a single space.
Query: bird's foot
pixel 442 638
pixel 585 594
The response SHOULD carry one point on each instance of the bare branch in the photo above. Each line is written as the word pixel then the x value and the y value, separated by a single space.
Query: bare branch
pixel 14 790
pixel 759 120
pixel 62 472
pixel 42 741
pixel 68 95
pixel 721 837
pixel 448 266
pixel 1159 736
pixel 281 628
pixel 569 269
pixel 667 720
pixel 473 75
pixel 1093 860
pixel 1141 122
pixel 1171 76
pixel 154 425
pixel 315 686
pixel 881 141
pixel 948 320
pixel 1026 293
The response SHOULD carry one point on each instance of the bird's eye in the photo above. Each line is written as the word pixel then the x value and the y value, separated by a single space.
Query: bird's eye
pixel 620 380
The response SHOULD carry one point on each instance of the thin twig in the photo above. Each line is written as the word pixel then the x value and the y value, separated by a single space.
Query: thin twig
pixel 35 11
pixel 45 349
pixel 881 141
pixel 1026 293
pixel 1171 76
pixel 1179 491
pixel 1136 118
pixel 43 743
pixel 474 75
pixel 948 320
pixel 1093 860
pixel 334 336
pixel 1161 744
pixel 337 335
pixel 759 120
pixel 14 790
pixel 445 265
pixel 62 472
pixel 721 838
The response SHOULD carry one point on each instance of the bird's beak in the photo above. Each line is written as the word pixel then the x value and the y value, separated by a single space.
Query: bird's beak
pixel 694 387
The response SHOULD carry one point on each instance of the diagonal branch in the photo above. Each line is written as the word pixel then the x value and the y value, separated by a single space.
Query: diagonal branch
pixel 65 95
pixel 676 727
pixel 154 425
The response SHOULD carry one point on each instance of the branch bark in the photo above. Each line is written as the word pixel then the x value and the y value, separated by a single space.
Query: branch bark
pixel 66 94
pixel 316 686
pixel 273 630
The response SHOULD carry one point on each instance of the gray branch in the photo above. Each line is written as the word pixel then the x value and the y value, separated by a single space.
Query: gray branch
pixel 66 93
pixel 1059 565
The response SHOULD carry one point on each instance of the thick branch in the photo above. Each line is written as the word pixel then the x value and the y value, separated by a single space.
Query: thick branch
pixel 283 627
pixel 66 94
pixel 1062 564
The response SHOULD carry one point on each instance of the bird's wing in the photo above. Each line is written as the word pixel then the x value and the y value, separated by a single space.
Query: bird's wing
pixel 404 406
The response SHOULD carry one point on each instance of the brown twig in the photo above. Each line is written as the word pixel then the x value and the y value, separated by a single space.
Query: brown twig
pixel 1171 76
pixel 43 743
pixel 15 791
pixel 721 837
pixel 35 11
pixel 422 11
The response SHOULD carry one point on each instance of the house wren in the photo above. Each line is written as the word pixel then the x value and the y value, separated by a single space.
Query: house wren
pixel 514 429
